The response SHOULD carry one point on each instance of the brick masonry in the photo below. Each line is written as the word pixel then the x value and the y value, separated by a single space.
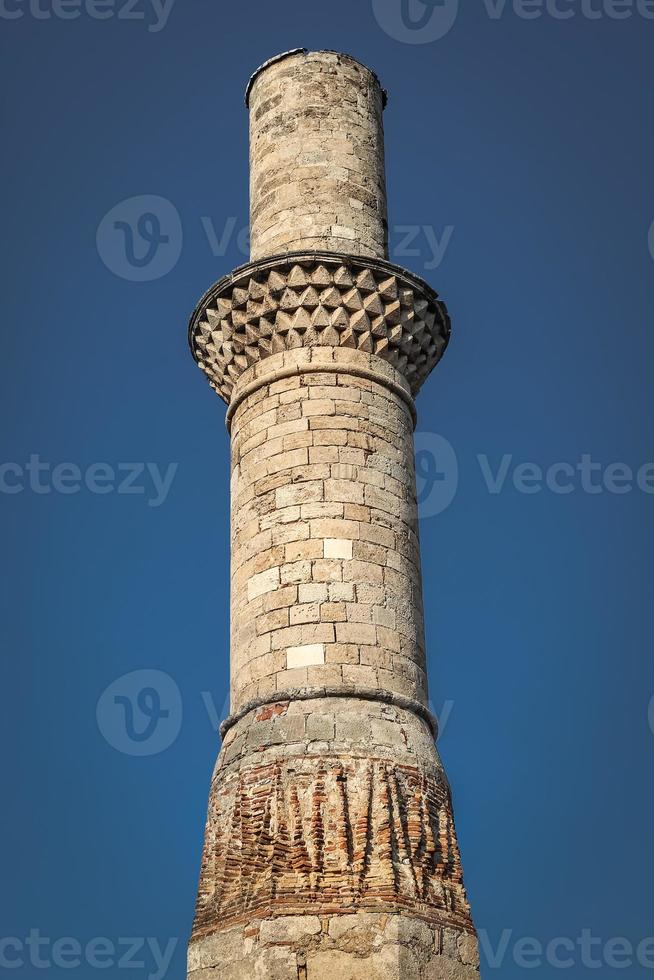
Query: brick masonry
pixel 326 584
pixel 329 805
pixel 330 848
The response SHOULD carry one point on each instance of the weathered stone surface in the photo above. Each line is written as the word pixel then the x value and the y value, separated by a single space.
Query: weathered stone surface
pixel 290 929
pixel 317 117
pixel 337 595
pixel 344 947
pixel 468 950
pixel 330 849
pixel 444 968
pixel 393 963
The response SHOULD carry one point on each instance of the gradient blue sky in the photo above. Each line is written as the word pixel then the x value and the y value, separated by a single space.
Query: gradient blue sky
pixel 532 139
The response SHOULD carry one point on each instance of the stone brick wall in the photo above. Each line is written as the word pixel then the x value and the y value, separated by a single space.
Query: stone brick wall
pixel 330 843
pixel 330 849
pixel 326 583
pixel 317 157
pixel 364 946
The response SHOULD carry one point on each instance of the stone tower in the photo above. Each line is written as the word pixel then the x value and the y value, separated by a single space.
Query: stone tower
pixel 330 851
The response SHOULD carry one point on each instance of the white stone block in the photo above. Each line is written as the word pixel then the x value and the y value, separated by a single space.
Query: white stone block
pixel 309 655
pixel 338 548
pixel 263 582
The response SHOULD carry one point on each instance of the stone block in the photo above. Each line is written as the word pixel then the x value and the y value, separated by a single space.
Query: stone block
pixel 281 597
pixel 355 633
pixel 341 592
pixel 295 573
pixel 263 582
pixel 302 550
pixel 288 929
pixel 321 727
pixel 313 592
pixel 468 949
pixel 306 613
pixel 305 656
pixel 338 548
pixel 333 612
pixel 327 570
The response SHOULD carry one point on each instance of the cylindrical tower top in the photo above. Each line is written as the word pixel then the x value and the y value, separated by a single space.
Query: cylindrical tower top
pixel 317 178
pixel 319 274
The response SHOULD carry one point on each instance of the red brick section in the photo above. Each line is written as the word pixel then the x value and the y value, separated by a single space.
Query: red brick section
pixel 320 837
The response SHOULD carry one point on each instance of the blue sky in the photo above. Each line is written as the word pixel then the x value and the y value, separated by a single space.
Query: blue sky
pixel 519 157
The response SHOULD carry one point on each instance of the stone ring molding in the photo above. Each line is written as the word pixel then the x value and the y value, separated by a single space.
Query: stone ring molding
pixel 297 694
pixel 318 299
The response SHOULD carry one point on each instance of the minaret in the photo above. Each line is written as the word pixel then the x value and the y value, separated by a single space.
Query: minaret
pixel 330 851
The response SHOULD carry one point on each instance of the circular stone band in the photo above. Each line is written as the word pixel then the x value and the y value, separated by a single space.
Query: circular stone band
pixel 311 694
pixel 318 368
pixel 318 299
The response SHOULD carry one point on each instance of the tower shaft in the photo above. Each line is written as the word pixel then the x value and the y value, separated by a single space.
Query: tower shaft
pixel 317 177
pixel 330 848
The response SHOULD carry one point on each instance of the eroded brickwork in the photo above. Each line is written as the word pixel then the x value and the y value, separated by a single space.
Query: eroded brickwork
pixel 330 848
pixel 325 805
